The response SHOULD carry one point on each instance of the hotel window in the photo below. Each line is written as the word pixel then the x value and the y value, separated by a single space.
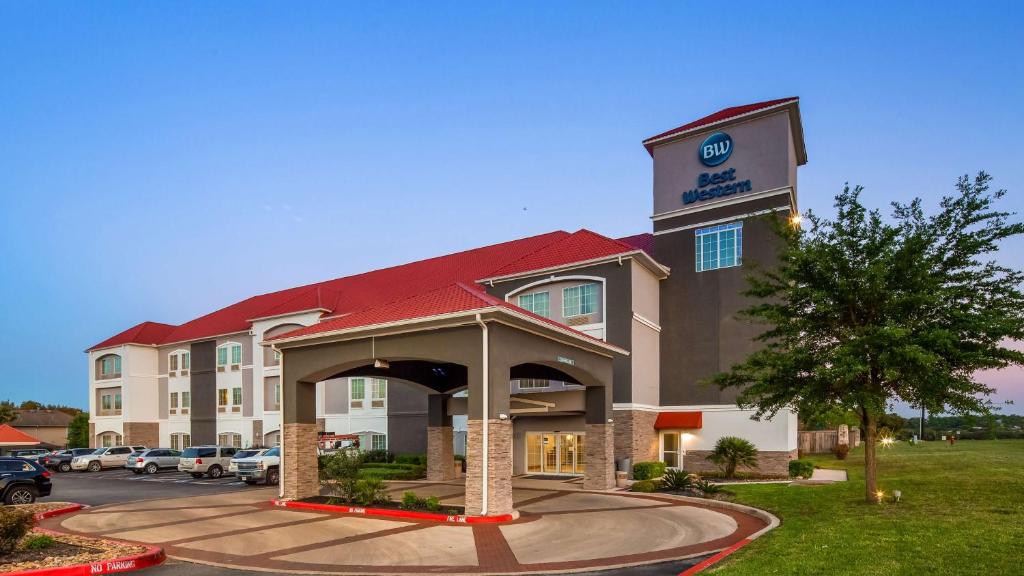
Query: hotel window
pixel 357 393
pixel 380 393
pixel 222 357
pixel 186 361
pixel 222 399
pixel 108 366
pixel 236 399
pixel 180 441
pixel 172 362
pixel 719 246
pixel 108 439
pixel 538 303
pixel 531 383
pixel 378 442
pixel 236 354
pixel 174 402
pixel 186 402
pixel 230 439
pixel 579 300
pixel 671 451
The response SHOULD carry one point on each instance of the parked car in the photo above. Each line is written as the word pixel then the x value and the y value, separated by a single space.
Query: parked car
pixel 29 453
pixel 110 457
pixel 264 467
pixel 22 481
pixel 61 459
pixel 210 460
pixel 241 454
pixel 149 461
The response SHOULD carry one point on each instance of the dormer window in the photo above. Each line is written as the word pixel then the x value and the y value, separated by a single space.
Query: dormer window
pixel 539 303
pixel 579 300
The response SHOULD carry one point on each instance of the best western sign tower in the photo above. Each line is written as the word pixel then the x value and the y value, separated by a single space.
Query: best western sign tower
pixel 714 179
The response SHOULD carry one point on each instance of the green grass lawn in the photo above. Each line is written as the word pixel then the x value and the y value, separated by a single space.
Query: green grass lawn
pixel 962 512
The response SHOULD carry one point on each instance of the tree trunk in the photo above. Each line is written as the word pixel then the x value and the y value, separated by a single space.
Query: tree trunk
pixel 870 463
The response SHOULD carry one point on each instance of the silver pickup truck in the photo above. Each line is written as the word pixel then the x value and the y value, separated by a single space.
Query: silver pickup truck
pixel 262 468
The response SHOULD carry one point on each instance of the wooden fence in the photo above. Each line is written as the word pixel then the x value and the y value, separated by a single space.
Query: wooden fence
pixel 824 441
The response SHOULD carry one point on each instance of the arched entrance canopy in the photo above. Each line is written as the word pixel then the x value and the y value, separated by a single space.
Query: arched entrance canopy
pixel 480 350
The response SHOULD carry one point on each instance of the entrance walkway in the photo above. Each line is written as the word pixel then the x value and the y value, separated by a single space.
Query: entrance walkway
pixel 560 528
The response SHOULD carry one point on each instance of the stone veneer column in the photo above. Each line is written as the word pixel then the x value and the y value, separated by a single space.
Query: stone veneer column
pixel 599 473
pixel 499 497
pixel 300 466
pixel 440 453
pixel 257 432
pixel 92 435
pixel 635 436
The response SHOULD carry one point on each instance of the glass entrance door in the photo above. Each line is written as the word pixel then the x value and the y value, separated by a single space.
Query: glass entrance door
pixel 551 453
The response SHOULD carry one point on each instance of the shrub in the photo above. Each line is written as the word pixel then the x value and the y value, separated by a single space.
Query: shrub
pixel 705 487
pixel 643 486
pixel 339 473
pixel 648 470
pixel 392 471
pixel 416 459
pixel 802 468
pixel 14 524
pixel 732 452
pixel 38 542
pixel 410 501
pixel 677 480
pixel 370 491
pixel 432 503
pixel 841 450
pixel 381 456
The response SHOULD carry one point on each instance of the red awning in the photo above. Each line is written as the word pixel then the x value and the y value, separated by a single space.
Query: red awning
pixel 667 420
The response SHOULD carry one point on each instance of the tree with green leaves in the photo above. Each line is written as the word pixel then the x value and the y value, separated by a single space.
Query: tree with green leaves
pixel 7 413
pixel 78 431
pixel 861 311
pixel 731 452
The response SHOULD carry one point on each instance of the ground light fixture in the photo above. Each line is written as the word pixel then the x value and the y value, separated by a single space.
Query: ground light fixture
pixel 886 441
pixel 381 363
pixel 896 495
pixel 879 496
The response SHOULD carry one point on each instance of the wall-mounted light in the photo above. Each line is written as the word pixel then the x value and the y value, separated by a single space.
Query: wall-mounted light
pixel 382 364
pixel 795 219
pixel 611 421
pixel 502 416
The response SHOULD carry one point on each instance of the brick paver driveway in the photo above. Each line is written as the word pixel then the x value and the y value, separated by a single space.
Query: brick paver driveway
pixel 560 528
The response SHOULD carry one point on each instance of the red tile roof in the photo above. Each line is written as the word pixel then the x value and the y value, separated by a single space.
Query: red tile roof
pixel 144 333
pixel 720 116
pixel 579 246
pixel 11 436
pixel 643 242
pixel 423 287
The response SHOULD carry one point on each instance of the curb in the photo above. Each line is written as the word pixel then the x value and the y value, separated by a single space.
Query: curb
pixel 151 557
pixel 701 566
pixel 390 513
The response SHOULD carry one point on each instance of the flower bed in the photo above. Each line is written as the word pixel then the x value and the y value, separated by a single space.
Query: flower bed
pixel 386 505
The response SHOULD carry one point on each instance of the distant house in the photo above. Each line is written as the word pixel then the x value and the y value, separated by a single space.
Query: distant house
pixel 14 439
pixel 50 427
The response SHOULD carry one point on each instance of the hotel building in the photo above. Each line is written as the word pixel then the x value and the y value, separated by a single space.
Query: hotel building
pixel 563 353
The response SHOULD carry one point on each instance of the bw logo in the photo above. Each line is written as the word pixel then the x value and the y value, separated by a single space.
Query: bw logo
pixel 715 149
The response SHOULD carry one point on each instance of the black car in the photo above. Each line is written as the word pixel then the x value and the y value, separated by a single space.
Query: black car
pixel 22 481
pixel 61 461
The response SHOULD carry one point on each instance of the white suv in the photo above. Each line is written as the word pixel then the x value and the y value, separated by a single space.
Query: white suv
pixel 111 457
pixel 210 460
pixel 262 468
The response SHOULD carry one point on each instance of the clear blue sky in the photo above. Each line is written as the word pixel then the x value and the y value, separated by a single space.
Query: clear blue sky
pixel 159 161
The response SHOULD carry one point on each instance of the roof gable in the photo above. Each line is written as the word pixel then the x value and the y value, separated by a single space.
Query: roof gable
pixel 148 333
pixel 12 436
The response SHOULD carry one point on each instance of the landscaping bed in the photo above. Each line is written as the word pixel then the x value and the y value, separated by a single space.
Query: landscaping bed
pixel 386 505
pixel 23 547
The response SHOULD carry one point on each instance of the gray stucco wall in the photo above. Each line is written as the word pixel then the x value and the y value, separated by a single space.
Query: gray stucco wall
pixel 203 387
pixel 407 418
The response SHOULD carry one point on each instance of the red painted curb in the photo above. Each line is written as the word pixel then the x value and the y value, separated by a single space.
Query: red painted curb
pixel 453 518
pixel 700 567
pixel 151 557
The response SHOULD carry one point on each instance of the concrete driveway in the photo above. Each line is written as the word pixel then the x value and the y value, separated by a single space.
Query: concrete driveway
pixel 560 528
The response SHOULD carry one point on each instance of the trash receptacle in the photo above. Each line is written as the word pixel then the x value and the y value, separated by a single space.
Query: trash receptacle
pixel 623 465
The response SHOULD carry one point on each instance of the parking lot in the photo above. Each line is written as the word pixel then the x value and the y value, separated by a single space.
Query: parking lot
pixel 118 485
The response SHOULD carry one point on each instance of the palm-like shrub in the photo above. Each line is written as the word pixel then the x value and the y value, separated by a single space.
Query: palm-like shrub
pixel 677 480
pixel 731 452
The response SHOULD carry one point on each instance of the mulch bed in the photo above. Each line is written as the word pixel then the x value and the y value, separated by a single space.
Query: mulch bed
pixel 392 505
pixel 69 550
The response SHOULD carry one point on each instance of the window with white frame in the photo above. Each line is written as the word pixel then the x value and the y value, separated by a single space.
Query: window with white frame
pixel 178 360
pixel 378 442
pixel 229 439
pixel 180 441
pixel 672 449
pixel 719 246
pixel 108 366
pixel 579 300
pixel 539 303
pixel 186 401
pixel 356 393
pixel 236 399
pixel 532 383
pixel 230 351
pixel 379 393
pixel 172 362
pixel 110 402
pixel 174 403
pixel 108 439
pixel 222 400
